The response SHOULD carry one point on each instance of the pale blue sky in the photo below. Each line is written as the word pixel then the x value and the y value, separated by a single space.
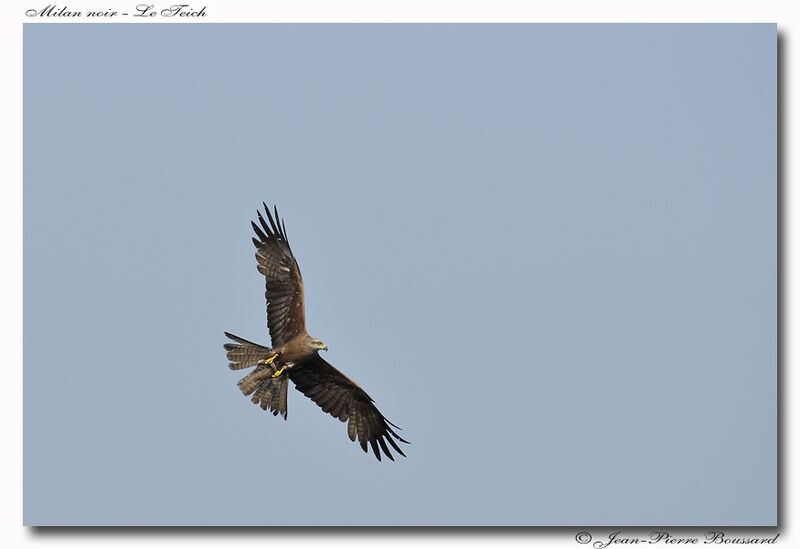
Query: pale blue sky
pixel 548 252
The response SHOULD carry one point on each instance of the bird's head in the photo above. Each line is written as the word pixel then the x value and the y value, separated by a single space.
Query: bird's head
pixel 317 344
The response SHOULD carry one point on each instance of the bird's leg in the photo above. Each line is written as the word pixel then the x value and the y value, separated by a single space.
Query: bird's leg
pixel 270 360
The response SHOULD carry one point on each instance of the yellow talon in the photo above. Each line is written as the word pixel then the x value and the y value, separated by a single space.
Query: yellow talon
pixel 279 372
pixel 270 359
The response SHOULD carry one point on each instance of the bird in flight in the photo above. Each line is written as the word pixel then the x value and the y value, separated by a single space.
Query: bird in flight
pixel 294 355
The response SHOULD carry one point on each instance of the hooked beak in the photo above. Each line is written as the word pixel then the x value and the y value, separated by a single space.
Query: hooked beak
pixel 324 347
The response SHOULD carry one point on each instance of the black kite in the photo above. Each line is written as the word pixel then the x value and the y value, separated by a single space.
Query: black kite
pixel 295 355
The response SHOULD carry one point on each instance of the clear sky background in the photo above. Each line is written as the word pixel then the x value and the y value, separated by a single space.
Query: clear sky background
pixel 547 252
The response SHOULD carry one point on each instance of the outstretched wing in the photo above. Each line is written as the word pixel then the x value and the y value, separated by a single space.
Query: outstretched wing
pixel 337 395
pixel 285 309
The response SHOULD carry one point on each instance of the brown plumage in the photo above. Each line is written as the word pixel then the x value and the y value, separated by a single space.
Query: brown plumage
pixel 294 354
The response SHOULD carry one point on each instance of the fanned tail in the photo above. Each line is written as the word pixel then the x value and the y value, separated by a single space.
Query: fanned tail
pixel 268 392
pixel 244 354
